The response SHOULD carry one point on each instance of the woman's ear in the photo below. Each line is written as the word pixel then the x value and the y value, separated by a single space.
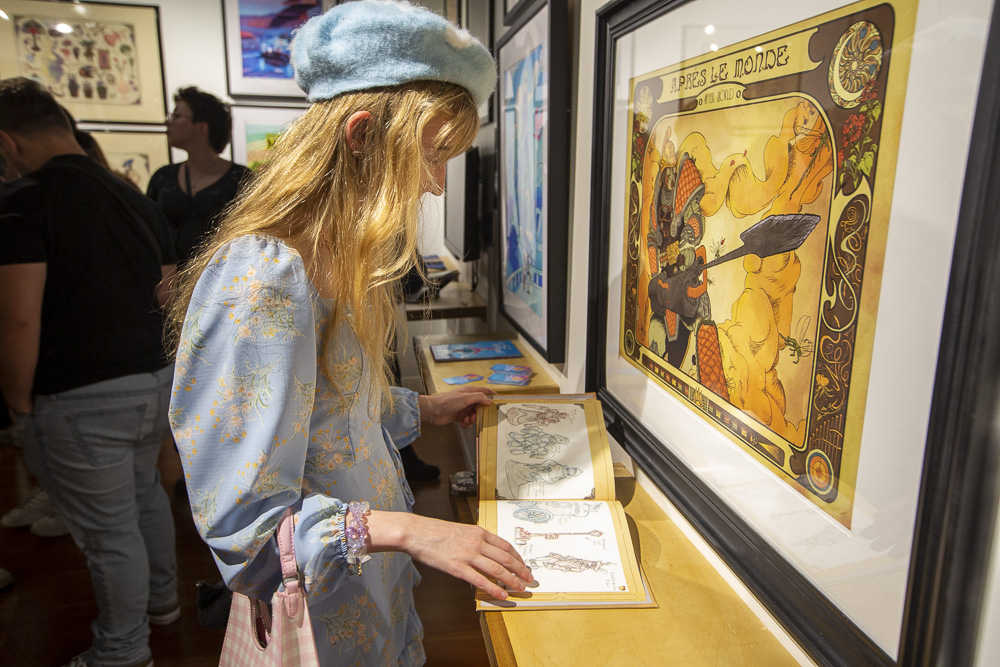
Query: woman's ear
pixel 357 130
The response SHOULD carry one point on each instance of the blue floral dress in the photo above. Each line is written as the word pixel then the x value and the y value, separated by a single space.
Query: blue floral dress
pixel 259 428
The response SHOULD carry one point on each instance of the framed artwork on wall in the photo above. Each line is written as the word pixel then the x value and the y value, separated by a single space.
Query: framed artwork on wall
pixel 136 155
pixel 255 129
pixel 101 61
pixel 760 290
pixel 532 101
pixel 258 44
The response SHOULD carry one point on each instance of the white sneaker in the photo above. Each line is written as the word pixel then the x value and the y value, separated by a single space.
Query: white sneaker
pixel 29 511
pixel 164 616
pixel 50 525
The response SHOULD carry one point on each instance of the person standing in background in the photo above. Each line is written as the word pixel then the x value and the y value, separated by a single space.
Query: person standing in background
pixel 85 265
pixel 193 193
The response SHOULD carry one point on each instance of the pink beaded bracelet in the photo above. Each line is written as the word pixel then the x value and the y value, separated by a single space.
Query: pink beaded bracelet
pixel 356 535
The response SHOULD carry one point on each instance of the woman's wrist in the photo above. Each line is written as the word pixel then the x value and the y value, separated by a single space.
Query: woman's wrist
pixel 427 412
pixel 387 531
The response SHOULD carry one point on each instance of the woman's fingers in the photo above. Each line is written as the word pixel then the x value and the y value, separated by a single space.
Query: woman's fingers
pixel 507 556
pixel 470 553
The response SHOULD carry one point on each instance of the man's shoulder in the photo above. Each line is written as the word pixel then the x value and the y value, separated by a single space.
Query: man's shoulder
pixel 19 193
pixel 165 171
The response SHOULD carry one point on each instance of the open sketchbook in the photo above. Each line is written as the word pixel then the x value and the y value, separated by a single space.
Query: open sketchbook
pixel 546 485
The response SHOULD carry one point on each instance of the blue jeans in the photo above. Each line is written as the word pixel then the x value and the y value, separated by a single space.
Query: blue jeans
pixel 94 450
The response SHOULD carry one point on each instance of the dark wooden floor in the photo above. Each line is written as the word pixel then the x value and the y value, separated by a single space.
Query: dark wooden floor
pixel 45 617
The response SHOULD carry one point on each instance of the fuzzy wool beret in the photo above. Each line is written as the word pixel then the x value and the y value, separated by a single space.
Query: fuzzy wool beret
pixel 373 43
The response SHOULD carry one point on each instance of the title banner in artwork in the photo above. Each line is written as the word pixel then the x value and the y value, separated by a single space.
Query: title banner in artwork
pixel 783 57
pixel 759 181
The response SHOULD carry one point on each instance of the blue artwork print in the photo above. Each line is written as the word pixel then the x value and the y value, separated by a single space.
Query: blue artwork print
pixel 525 115
pixel 266 28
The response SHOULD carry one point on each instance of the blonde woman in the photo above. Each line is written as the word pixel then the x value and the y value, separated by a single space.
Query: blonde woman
pixel 281 393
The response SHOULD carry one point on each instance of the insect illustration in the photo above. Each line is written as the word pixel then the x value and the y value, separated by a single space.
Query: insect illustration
pixel 718 248
pixel 799 347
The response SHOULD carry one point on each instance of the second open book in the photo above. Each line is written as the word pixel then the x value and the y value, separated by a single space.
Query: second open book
pixel 546 485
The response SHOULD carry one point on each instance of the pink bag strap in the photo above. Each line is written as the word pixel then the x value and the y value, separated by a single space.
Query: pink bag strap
pixel 289 567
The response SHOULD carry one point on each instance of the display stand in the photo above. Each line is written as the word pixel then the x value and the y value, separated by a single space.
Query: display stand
pixel 433 373
pixel 700 619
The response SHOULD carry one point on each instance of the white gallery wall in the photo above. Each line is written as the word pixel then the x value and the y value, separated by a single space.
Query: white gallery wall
pixel 191 41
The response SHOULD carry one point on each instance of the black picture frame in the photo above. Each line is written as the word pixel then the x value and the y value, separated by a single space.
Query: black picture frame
pixel 515 10
pixel 957 501
pixel 544 328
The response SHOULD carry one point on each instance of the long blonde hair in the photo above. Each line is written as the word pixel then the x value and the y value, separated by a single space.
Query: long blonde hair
pixel 352 216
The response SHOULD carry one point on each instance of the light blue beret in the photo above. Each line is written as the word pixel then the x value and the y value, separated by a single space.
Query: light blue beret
pixel 374 43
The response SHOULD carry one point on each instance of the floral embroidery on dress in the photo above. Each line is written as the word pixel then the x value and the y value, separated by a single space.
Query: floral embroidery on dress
pixel 304 396
pixel 242 396
pixel 384 481
pixel 400 607
pixel 353 626
pixel 203 505
pixel 261 478
pixel 259 308
pixel 334 453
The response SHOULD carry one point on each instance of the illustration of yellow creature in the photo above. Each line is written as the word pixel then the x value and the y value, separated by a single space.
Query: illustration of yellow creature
pixel 722 322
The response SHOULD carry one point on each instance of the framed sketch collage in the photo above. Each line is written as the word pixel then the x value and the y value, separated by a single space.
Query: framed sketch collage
pixel 777 327
pixel 103 62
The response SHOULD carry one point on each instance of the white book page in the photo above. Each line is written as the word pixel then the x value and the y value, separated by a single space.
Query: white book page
pixel 543 451
pixel 570 546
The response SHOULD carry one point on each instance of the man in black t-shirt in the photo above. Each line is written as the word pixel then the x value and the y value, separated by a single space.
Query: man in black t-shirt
pixel 84 269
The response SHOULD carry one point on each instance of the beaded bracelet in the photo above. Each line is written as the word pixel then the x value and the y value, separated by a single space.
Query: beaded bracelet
pixel 355 536
pixel 341 517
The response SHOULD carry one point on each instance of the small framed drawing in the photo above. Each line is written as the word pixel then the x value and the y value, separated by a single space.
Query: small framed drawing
pixel 101 61
pixel 136 155
pixel 799 356
pixel 258 44
pixel 477 18
pixel 532 103
pixel 255 129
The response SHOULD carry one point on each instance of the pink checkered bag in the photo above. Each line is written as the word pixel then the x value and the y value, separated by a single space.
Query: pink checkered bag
pixel 282 638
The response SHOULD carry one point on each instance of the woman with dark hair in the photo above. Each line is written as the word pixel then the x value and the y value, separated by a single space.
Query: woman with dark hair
pixel 193 193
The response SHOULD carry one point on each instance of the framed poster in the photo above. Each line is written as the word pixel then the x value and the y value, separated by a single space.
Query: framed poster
pixel 101 61
pixel 768 302
pixel 255 129
pixel 258 44
pixel 136 155
pixel 534 119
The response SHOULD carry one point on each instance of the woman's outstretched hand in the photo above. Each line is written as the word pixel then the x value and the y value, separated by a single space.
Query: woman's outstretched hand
pixel 463 551
pixel 458 405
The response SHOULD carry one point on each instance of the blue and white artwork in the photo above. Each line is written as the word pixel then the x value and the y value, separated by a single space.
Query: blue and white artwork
pixel 266 34
pixel 525 115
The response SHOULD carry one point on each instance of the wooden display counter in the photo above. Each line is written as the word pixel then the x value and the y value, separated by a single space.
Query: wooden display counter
pixel 700 619
pixel 433 373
